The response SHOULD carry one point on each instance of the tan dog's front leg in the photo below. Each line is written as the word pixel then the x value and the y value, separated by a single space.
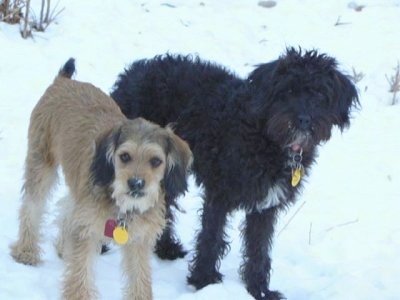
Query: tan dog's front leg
pixel 78 281
pixel 136 266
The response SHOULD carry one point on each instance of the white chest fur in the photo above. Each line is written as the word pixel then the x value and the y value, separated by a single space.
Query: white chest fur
pixel 275 196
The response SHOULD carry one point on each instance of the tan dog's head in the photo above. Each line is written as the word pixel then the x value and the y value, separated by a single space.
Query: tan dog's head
pixel 138 160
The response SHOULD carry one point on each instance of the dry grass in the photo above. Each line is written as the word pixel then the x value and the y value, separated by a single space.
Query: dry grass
pixel 394 83
pixel 11 11
pixel 47 15
pixel 356 77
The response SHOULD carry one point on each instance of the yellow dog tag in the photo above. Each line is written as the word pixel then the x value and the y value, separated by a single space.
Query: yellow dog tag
pixel 296 176
pixel 120 235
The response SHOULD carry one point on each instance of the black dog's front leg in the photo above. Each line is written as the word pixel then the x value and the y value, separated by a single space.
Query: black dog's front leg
pixel 256 268
pixel 210 247
pixel 168 245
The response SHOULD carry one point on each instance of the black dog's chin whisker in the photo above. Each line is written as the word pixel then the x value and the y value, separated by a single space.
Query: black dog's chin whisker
pixel 299 140
pixel 282 130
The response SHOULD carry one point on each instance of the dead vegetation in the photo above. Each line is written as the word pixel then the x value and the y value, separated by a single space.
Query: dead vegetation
pixel 356 77
pixel 11 11
pixel 20 12
pixel 394 83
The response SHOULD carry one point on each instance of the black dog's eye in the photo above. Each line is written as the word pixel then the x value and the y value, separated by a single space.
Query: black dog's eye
pixel 322 101
pixel 125 157
pixel 155 162
pixel 319 99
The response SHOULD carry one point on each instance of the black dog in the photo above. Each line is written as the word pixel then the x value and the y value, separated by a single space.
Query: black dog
pixel 253 141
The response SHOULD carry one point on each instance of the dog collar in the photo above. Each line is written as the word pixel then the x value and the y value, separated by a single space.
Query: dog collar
pixel 295 158
pixel 117 229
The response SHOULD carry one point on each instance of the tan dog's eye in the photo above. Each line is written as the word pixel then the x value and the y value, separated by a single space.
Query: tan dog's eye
pixel 155 162
pixel 125 157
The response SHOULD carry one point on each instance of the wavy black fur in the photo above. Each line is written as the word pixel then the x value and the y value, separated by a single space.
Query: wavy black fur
pixel 245 135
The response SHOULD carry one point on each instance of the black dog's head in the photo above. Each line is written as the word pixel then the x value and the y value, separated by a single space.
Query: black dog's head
pixel 300 97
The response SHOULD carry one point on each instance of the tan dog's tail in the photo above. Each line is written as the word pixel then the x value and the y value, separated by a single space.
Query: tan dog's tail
pixel 68 69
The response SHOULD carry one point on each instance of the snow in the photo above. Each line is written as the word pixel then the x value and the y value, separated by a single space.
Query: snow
pixel 340 241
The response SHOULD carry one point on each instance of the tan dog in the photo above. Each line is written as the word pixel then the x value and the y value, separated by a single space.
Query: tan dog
pixel 118 172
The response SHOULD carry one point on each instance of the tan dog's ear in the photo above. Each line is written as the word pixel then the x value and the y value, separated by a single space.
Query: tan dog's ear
pixel 179 160
pixel 102 167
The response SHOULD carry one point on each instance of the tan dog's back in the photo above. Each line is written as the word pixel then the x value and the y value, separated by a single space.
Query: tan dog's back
pixel 66 99
pixel 67 115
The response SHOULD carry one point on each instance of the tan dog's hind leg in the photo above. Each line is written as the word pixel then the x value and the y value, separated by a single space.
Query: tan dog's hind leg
pixel 40 175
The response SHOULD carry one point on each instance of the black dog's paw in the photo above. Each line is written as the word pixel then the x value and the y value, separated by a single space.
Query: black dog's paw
pixel 200 281
pixel 170 250
pixel 267 295
pixel 273 295
pixel 105 248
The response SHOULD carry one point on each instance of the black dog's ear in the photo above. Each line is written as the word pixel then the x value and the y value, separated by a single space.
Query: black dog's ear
pixel 346 98
pixel 179 160
pixel 102 168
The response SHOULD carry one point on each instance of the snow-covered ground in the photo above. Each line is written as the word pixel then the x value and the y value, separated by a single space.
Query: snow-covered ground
pixel 341 240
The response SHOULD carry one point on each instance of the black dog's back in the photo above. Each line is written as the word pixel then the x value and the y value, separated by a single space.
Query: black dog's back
pixel 162 88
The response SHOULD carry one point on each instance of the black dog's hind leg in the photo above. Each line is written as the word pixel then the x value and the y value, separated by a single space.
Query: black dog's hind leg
pixel 168 245
pixel 256 268
pixel 210 247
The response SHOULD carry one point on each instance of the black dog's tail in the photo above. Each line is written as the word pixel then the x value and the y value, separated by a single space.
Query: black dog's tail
pixel 68 69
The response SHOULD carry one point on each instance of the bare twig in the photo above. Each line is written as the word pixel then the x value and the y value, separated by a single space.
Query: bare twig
pixel 45 19
pixel 26 29
pixel 309 234
pixel 394 82
pixel 291 218
pixel 338 22
pixel 356 76
pixel 53 14
pixel 41 16
pixel 341 225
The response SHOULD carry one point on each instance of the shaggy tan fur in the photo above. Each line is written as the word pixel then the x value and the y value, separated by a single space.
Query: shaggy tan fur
pixel 77 126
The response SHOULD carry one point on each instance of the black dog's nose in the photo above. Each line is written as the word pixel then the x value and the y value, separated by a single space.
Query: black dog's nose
pixel 304 122
pixel 136 184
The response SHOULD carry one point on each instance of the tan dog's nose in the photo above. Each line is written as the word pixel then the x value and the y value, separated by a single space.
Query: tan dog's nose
pixel 136 184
